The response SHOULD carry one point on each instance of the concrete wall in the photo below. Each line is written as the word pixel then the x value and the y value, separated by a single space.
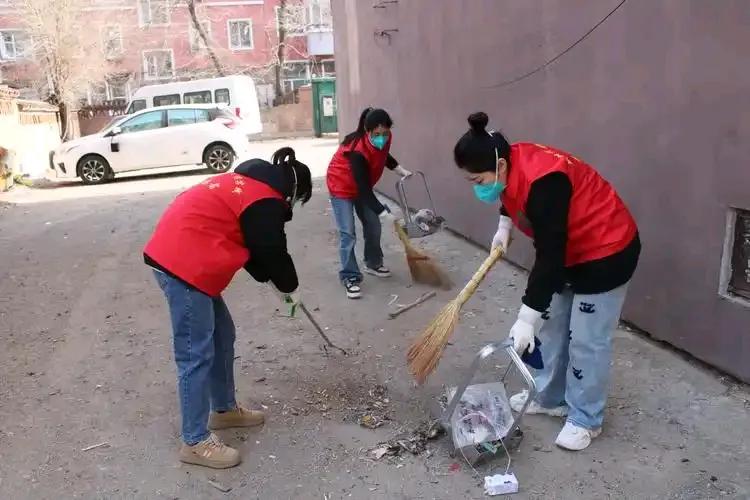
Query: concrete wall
pixel 294 118
pixel 656 99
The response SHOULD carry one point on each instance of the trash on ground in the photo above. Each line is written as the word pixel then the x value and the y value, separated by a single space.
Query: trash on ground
pixel 95 446
pixel 402 308
pixel 371 421
pixel 414 442
pixel 221 487
pixel 500 484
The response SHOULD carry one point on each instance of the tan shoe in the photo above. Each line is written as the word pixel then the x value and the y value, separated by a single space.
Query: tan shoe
pixel 239 417
pixel 210 452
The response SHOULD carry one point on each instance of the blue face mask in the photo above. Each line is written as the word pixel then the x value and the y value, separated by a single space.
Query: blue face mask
pixel 490 193
pixel 378 141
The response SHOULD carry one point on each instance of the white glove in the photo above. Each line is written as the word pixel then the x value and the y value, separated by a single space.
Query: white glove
pixel 525 329
pixel 291 302
pixel 402 171
pixel 502 236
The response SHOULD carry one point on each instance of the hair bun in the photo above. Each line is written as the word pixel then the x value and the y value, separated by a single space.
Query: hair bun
pixel 478 122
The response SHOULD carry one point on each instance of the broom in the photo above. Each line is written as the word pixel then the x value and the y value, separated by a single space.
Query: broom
pixel 422 267
pixel 425 351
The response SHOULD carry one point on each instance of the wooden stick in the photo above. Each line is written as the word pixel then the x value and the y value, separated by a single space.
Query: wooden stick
pixel 95 446
pixel 406 307
pixel 320 330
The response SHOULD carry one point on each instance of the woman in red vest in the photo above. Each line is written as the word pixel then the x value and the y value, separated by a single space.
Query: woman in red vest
pixel 205 236
pixel 587 249
pixel 354 170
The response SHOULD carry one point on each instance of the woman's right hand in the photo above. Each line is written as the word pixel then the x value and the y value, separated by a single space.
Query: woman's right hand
pixel 502 236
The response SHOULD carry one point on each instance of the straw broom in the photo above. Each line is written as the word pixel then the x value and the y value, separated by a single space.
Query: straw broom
pixel 425 351
pixel 422 267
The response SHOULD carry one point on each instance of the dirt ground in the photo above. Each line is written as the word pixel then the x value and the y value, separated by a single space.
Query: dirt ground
pixel 86 358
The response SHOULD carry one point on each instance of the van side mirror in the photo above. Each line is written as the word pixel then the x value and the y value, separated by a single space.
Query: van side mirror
pixel 114 132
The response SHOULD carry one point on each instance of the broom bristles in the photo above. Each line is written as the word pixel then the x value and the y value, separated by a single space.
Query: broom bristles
pixel 422 267
pixel 425 352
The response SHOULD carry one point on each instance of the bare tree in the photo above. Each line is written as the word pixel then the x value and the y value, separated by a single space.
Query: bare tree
pixel 291 20
pixel 197 26
pixel 69 54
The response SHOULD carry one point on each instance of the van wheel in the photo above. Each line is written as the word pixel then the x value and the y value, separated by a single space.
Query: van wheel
pixel 94 169
pixel 218 158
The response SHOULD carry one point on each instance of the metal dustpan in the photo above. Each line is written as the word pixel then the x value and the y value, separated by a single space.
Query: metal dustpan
pixel 423 222
pixel 478 417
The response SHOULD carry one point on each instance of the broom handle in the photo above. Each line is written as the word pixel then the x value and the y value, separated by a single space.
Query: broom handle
pixel 475 280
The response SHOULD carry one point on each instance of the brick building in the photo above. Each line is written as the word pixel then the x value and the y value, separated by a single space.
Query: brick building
pixel 151 41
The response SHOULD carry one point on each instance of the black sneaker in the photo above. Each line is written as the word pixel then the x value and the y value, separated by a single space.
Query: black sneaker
pixel 353 290
pixel 380 272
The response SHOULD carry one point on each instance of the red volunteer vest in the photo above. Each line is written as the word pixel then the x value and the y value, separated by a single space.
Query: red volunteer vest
pixel 599 223
pixel 339 175
pixel 198 239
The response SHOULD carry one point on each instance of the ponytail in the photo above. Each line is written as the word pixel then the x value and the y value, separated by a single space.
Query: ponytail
pixel 296 171
pixel 360 132
pixel 283 155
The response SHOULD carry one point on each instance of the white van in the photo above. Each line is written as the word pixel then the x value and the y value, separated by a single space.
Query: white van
pixel 236 92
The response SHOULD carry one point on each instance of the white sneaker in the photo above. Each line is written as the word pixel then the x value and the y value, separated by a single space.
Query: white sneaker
pixel 575 438
pixel 518 400
pixel 353 290
pixel 380 272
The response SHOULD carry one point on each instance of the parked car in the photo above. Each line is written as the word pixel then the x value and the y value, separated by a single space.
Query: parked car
pixel 153 138
pixel 237 92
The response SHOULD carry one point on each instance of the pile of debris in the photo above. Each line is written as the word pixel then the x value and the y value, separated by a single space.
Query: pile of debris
pixel 414 442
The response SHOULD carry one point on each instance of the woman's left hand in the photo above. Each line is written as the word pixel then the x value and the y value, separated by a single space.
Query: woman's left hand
pixel 402 171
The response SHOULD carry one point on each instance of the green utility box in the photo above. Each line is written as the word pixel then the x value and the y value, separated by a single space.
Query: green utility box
pixel 325 109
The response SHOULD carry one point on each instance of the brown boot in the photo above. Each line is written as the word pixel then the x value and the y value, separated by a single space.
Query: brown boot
pixel 239 417
pixel 210 452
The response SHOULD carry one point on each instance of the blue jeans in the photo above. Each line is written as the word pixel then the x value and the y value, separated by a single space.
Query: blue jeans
pixel 203 334
pixel 343 213
pixel 576 349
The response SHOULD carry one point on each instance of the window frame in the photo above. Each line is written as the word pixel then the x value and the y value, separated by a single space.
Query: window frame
pixel 144 55
pixel 143 23
pixel 194 35
pixel 247 20
pixel 120 39
pixel 24 55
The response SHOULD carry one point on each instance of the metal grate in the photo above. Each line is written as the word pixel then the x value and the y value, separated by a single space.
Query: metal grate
pixel 739 283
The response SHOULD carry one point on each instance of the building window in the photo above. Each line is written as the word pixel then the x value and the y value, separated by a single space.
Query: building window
pixel 320 18
pixel 118 90
pixel 739 281
pixel 112 41
pixel 154 12
pixel 196 42
pixel 240 34
pixel 295 74
pixel 294 20
pixel 158 64
pixel 15 45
